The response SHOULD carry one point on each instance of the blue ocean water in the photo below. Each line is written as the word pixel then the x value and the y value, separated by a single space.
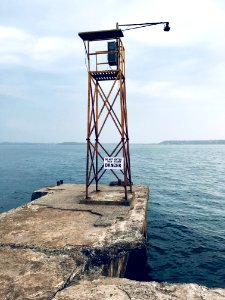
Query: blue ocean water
pixel 186 215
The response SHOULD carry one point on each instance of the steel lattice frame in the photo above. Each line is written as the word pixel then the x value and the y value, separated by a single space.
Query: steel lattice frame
pixel 102 106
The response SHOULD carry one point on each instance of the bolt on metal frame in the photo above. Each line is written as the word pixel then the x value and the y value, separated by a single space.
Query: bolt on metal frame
pixel 102 102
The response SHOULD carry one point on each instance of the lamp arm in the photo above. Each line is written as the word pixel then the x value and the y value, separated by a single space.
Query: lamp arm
pixel 147 24
pixel 141 25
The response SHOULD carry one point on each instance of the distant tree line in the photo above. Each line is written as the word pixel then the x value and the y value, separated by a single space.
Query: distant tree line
pixel 194 142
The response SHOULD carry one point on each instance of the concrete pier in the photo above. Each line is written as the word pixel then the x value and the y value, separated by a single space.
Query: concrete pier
pixel 61 238
pixel 63 247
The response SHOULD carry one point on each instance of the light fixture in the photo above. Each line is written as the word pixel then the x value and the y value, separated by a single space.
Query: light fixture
pixel 167 27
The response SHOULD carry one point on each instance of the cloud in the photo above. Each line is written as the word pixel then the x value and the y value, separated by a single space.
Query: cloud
pixel 52 49
pixel 20 48
pixel 8 33
pixel 172 77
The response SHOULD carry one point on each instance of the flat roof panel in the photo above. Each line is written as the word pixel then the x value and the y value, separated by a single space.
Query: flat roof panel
pixel 101 35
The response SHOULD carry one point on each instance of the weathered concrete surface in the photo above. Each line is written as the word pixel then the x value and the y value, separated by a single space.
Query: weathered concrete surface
pixel 124 289
pixel 58 248
pixel 27 274
pixel 58 221
pixel 55 240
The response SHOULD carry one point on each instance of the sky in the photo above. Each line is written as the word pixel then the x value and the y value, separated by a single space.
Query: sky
pixel 175 80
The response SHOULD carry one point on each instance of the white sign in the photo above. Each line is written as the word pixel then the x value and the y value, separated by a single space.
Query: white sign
pixel 113 163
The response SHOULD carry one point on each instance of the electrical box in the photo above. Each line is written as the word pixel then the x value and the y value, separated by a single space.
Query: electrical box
pixel 113 53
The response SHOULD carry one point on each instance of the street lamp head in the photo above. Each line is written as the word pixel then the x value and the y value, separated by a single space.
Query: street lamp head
pixel 167 27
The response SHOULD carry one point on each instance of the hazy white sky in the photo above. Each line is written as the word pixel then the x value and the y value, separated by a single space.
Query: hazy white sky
pixel 175 80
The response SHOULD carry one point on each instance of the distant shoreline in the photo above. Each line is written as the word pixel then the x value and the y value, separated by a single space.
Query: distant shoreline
pixel 193 142
pixel 169 142
pixel 27 143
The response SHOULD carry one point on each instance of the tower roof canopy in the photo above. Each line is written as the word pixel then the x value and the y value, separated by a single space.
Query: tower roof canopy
pixel 101 35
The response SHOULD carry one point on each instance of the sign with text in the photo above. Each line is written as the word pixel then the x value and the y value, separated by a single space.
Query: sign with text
pixel 113 163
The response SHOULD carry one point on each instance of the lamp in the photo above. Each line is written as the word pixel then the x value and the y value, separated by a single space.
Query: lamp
pixel 167 27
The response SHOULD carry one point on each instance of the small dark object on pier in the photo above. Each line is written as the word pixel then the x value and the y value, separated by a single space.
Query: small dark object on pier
pixel 118 183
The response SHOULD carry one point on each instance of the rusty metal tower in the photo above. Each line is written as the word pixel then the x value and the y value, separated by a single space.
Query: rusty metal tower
pixel 107 102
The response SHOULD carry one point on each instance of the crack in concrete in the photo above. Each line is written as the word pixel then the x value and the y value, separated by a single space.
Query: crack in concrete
pixel 70 209
pixel 125 292
pixel 70 280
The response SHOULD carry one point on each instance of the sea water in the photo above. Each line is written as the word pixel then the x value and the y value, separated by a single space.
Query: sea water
pixel 186 213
